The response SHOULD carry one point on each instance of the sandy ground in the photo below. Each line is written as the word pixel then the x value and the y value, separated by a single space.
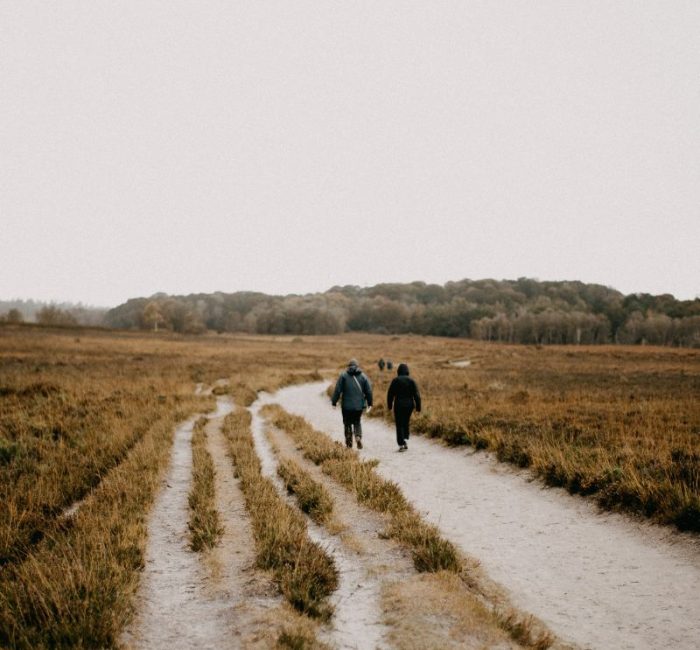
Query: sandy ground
pixel 381 601
pixel 598 580
pixel 363 566
pixel 191 600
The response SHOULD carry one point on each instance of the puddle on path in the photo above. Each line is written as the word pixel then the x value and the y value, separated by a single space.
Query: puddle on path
pixel 598 580
pixel 357 619
pixel 175 606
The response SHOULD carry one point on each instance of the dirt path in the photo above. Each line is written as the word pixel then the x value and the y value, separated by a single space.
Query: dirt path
pixel 183 601
pixel 357 621
pixel 382 601
pixel 598 580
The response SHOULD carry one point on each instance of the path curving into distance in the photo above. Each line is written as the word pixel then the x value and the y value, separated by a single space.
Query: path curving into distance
pixel 598 580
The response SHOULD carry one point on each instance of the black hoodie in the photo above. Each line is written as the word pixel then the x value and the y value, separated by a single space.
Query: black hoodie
pixel 403 391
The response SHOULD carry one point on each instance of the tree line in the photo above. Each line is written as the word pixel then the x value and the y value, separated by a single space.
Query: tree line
pixel 515 311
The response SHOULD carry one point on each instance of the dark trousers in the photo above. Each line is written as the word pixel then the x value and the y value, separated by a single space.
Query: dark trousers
pixel 352 424
pixel 402 416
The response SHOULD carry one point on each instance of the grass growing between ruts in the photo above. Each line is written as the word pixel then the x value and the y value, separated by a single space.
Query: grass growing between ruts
pixel 431 552
pixel 306 575
pixel 312 497
pixel 205 526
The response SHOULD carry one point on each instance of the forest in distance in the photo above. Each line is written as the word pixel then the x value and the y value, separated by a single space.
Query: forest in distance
pixel 510 311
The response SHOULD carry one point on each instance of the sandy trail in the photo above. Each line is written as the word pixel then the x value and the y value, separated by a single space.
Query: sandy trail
pixel 364 567
pixel 184 602
pixel 598 580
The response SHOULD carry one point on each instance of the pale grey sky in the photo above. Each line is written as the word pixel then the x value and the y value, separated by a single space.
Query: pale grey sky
pixel 187 146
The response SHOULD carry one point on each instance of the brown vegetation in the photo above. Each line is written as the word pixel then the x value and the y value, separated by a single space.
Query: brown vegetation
pixel 312 497
pixel 205 527
pixel 621 425
pixel 306 575
pixel 82 413
pixel 431 552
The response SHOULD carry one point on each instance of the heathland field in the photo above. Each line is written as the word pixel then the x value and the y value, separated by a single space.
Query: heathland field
pixel 87 422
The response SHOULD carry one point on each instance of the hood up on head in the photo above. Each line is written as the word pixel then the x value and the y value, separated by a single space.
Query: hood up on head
pixel 353 367
pixel 402 369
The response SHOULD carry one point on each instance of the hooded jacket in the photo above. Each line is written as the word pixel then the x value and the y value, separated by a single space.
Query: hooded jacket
pixel 354 387
pixel 403 391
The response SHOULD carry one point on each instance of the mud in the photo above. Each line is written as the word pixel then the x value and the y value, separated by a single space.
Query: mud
pixel 598 580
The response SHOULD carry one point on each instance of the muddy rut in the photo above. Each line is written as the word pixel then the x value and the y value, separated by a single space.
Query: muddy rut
pixel 598 580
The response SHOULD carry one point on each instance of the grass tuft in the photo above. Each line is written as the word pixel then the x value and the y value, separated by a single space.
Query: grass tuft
pixel 306 575
pixel 312 497
pixel 204 524
pixel 430 551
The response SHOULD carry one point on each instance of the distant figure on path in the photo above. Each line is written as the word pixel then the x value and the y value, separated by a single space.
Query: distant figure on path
pixel 403 396
pixel 356 391
pixel 389 364
pixel 381 364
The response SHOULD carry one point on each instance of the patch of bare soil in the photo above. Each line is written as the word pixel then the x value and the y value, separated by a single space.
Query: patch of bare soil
pixel 597 580
pixel 431 611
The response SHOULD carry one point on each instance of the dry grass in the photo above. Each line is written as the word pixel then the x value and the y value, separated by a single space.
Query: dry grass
pixel 205 526
pixel 75 588
pixel 80 412
pixel 312 497
pixel 431 552
pixel 620 424
pixel 305 573
pixel 436 612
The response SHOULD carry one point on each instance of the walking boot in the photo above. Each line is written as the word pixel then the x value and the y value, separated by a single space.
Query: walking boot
pixel 359 442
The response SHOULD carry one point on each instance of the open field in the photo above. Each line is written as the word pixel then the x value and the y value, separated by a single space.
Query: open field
pixel 87 419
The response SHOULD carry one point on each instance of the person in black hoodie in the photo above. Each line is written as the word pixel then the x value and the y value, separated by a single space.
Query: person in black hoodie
pixel 403 396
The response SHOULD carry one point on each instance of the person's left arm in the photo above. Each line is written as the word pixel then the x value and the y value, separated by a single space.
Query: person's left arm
pixel 368 390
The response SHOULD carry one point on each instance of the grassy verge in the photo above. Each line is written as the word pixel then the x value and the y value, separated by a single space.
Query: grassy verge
pixel 205 527
pixel 75 588
pixel 306 575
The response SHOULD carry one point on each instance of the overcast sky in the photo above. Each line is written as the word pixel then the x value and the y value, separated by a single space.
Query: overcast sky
pixel 290 146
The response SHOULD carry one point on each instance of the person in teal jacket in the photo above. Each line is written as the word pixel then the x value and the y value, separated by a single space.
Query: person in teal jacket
pixel 354 390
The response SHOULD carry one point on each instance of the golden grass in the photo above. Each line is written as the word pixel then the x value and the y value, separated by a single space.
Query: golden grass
pixel 436 612
pixel 431 552
pixel 306 575
pixel 312 497
pixel 618 423
pixel 205 525
pixel 75 588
